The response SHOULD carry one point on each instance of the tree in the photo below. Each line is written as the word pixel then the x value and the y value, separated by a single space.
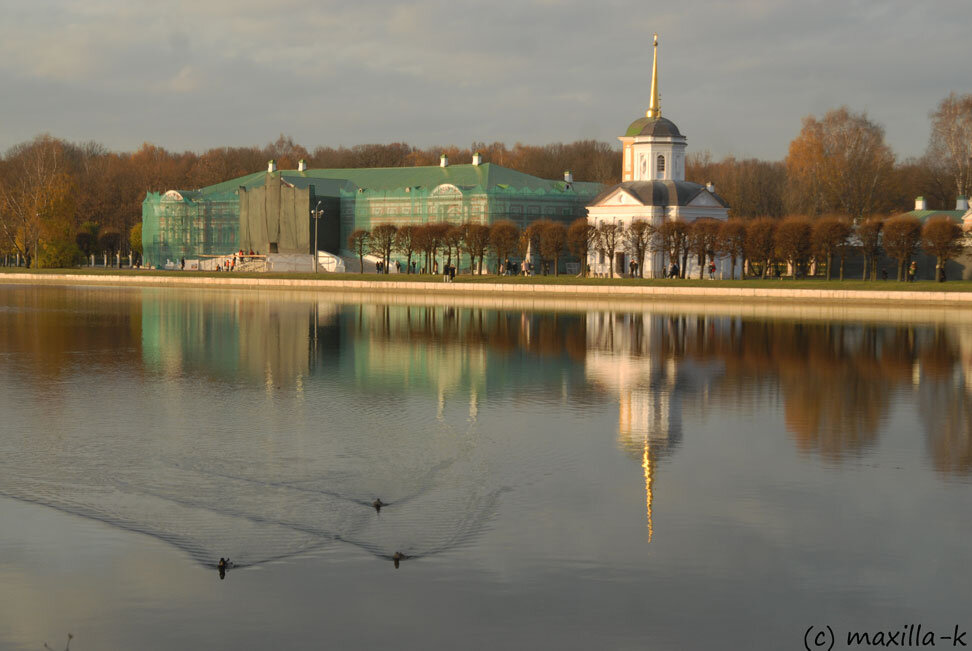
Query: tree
pixel 405 244
pixel 731 242
pixel 581 235
pixel 950 144
pixel 135 243
pixel 608 240
pixel 477 241
pixel 942 238
pixel 553 239
pixel 36 194
pixel 760 242
pixel 702 237
pixel 110 241
pixel 638 237
pixel 381 242
pixel 829 235
pixel 839 164
pixel 751 187
pixel 454 238
pixel 793 241
pixel 671 238
pixel 358 242
pixel 503 238
pixel 436 232
pixel 869 235
pixel 902 235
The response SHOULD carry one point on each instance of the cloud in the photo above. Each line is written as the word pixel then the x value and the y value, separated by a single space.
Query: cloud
pixel 736 77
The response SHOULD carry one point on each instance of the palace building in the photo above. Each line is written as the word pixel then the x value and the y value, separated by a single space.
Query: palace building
pixel 653 186
pixel 274 211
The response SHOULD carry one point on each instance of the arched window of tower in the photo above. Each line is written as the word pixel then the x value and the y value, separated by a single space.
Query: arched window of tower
pixel 661 166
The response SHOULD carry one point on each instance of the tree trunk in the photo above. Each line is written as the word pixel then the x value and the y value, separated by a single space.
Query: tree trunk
pixel 900 270
pixel 830 261
pixel 842 268
pixel 864 273
pixel 361 263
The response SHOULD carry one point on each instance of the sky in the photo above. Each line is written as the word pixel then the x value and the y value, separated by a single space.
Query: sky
pixel 736 77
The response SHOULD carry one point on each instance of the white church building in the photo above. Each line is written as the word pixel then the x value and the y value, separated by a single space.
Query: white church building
pixel 653 188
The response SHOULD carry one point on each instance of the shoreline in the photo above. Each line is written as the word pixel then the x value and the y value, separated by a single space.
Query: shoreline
pixel 565 291
pixel 428 288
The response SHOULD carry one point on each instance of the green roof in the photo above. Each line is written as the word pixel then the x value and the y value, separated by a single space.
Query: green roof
pixel 924 215
pixel 486 176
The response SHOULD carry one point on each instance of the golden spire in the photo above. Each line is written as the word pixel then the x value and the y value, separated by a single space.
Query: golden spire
pixel 654 108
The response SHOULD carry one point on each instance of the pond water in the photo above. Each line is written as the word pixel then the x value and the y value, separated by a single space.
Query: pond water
pixel 602 476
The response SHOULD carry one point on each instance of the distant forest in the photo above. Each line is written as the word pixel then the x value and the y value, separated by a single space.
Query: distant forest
pixel 52 190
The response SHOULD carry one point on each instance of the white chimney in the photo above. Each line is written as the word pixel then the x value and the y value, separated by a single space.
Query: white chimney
pixel 477 158
pixel 272 166
pixel 920 203
pixel 710 187
pixel 568 177
pixel 443 161
pixel 301 165
pixel 962 203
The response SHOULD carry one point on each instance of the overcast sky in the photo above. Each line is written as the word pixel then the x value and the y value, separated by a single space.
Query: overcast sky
pixel 736 77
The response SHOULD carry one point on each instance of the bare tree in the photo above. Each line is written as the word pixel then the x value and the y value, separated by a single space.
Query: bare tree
pixel 950 144
pixel 608 239
pixel 761 242
pixel 477 241
pixel 503 238
pixel 553 239
pixel 793 241
pixel 830 233
pixel 942 238
pixel 358 241
pixel 869 234
pixel 581 236
pixel 382 241
pixel 902 235
pixel 702 237
pixel 637 238
pixel 36 192
pixel 405 244
pixel 671 239
pixel 839 164
pixel 731 242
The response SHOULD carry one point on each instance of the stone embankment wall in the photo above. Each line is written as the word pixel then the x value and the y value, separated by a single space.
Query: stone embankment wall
pixel 581 292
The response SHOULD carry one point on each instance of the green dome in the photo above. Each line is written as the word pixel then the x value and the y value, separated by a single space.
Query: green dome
pixel 652 127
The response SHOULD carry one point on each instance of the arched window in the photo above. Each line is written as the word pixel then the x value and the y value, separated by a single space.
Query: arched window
pixel 661 165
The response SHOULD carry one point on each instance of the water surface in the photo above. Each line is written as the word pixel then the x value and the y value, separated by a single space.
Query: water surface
pixel 663 477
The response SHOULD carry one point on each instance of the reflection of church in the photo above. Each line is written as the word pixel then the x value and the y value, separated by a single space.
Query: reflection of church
pixel 625 357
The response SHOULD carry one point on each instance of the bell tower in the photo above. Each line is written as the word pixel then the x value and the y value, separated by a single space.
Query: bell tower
pixel 653 147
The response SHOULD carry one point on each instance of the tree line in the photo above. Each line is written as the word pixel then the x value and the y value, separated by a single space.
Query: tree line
pixel 61 200
pixel 798 246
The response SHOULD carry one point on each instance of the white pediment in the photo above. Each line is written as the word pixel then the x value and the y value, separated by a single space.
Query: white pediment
pixel 619 197
pixel 705 198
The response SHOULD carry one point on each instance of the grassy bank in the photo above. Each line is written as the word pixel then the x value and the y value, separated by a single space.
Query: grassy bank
pixel 811 283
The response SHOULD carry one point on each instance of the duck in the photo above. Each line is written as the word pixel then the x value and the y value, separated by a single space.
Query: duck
pixel 397 557
pixel 378 504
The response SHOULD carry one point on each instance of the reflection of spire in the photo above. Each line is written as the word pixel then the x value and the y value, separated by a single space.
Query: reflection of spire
pixel 646 463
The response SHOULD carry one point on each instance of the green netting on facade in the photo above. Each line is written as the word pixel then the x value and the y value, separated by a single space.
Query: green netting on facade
pixel 208 221
pixel 177 225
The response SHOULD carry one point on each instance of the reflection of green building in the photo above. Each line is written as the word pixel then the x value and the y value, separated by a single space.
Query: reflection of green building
pixel 270 211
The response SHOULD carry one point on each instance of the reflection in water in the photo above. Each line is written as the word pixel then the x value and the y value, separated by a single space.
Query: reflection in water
pixel 308 413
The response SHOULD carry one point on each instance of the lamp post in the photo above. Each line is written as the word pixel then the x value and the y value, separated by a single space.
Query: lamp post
pixel 316 214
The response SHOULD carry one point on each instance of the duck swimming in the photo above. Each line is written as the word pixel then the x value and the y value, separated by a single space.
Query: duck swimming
pixel 378 504
pixel 397 557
